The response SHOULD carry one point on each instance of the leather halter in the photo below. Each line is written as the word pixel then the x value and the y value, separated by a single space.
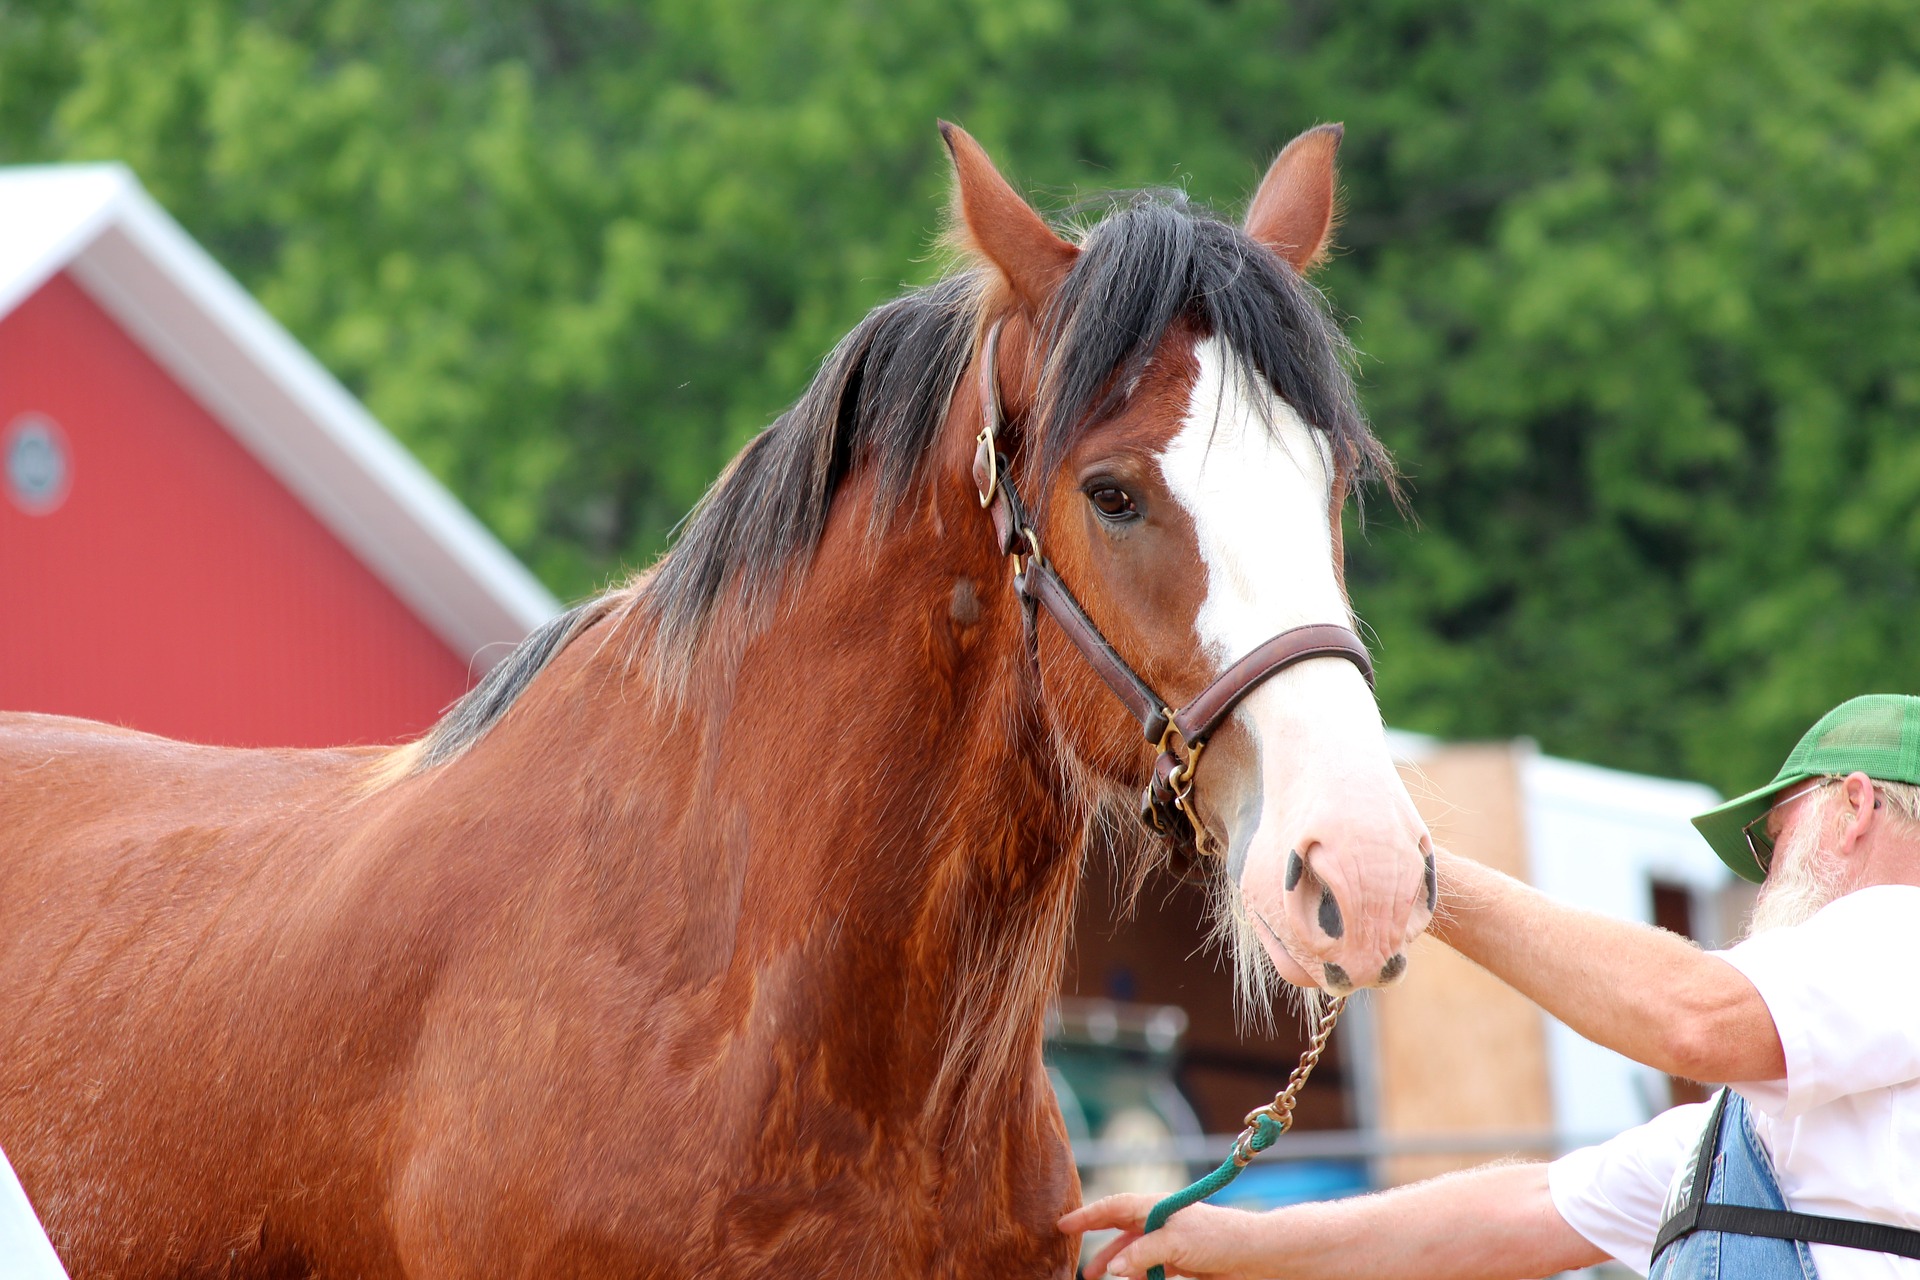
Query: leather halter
pixel 1166 805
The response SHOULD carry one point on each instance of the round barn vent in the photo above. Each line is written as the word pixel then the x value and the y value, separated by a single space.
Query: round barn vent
pixel 38 462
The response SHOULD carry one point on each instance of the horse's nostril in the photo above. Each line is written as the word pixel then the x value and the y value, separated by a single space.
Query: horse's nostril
pixel 1330 922
pixel 1433 885
pixel 1394 967
pixel 1336 976
pixel 1295 869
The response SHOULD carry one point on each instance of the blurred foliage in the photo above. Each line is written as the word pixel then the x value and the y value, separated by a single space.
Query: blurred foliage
pixel 1637 282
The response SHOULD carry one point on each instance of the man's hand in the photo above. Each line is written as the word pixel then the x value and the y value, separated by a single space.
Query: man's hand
pixel 1199 1241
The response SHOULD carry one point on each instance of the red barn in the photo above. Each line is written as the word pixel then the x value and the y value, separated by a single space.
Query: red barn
pixel 202 533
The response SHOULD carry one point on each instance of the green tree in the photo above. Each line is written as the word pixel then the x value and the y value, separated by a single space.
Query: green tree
pixel 1662 414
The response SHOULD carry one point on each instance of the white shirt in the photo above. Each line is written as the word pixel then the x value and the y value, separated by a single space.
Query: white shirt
pixel 1843 1128
pixel 24 1251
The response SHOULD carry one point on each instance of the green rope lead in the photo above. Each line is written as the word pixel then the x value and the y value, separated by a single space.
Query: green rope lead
pixel 1266 1130
pixel 1264 1125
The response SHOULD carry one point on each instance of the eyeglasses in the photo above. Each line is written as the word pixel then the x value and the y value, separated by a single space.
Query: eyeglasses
pixel 1759 842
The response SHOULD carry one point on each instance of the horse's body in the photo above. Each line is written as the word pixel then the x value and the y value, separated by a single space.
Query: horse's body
pixel 708 939
pixel 409 1027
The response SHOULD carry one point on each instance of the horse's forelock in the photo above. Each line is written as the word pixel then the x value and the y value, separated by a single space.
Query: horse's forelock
pixel 1154 260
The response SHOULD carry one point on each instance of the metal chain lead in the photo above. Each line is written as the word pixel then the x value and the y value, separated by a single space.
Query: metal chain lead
pixel 1264 1126
pixel 1280 1111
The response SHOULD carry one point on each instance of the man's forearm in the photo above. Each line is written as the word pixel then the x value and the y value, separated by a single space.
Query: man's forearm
pixel 1640 991
pixel 1497 1222
pixel 1493 1223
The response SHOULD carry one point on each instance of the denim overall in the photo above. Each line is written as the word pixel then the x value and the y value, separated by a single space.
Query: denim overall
pixel 1730 1167
pixel 1727 1218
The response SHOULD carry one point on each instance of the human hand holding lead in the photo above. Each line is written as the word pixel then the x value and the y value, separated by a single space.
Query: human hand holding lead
pixel 1200 1241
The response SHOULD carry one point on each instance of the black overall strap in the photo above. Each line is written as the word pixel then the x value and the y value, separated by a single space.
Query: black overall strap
pixel 1781 1224
pixel 1697 1214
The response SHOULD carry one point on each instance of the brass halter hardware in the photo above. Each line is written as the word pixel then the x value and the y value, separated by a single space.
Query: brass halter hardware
pixel 985 443
pixel 1167 806
pixel 1180 777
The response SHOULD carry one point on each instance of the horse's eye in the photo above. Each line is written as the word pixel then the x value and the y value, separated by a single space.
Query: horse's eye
pixel 1113 503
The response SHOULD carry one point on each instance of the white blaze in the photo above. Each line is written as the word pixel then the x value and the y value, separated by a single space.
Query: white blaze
pixel 1259 497
pixel 1258 487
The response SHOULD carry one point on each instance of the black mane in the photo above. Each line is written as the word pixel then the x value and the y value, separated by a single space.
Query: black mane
pixel 881 394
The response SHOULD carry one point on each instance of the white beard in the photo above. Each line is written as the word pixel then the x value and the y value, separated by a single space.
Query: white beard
pixel 1803 879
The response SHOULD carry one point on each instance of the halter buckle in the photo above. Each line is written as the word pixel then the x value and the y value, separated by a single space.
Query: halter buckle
pixel 990 410
pixel 1181 778
pixel 985 439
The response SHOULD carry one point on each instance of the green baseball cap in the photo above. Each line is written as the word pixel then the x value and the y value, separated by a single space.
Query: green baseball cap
pixel 1877 734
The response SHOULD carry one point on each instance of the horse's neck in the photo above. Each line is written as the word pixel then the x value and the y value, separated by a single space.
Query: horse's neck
pixel 876 758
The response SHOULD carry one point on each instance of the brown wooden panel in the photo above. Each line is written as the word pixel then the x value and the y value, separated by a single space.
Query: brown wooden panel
pixel 1160 956
pixel 1458 1050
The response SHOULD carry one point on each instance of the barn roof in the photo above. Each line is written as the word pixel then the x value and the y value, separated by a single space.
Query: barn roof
pixel 96 223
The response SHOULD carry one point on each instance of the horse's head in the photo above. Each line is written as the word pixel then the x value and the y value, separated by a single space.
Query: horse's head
pixel 1180 419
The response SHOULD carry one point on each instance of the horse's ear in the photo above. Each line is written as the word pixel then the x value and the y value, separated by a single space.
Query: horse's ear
pixel 1293 211
pixel 994 222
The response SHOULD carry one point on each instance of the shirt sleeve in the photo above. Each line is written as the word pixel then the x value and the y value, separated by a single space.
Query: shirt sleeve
pixel 1613 1194
pixel 1843 997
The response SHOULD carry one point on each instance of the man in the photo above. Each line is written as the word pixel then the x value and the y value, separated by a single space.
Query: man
pixel 1817 1014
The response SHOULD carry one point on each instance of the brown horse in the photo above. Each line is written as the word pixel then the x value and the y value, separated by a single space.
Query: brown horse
pixel 712 934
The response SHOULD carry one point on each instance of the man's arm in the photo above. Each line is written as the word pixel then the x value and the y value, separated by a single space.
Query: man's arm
pixel 1640 991
pixel 1493 1223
